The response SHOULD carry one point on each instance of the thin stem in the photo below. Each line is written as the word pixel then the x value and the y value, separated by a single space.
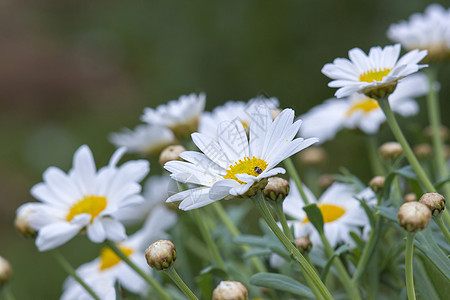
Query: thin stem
pixel 308 270
pixel 7 292
pixel 409 266
pixel 138 270
pixel 443 228
pixel 282 219
pixel 172 273
pixel 62 261
pixel 375 163
pixel 294 175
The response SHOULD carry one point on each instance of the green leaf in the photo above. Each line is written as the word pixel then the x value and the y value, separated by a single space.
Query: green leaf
pixel 368 211
pixel 214 270
pixel 257 252
pixel 315 216
pixel 389 213
pixel 281 283
pixel 441 182
pixel 407 172
pixel 426 243
pixel 336 253
pixel 251 240
pixel 435 277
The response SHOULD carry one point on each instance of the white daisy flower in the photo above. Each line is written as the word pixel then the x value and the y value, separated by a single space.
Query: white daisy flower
pixel 181 115
pixel 341 212
pixel 430 31
pixel 233 165
pixel 231 110
pixel 359 111
pixel 85 199
pixel 376 74
pixel 108 268
pixel 144 139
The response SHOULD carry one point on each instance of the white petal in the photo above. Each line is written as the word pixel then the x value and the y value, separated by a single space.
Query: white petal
pixel 233 140
pixel 221 189
pixel 114 230
pixel 95 231
pixel 84 169
pixel 56 234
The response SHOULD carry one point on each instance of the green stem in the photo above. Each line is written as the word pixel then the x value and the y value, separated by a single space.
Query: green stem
pixel 443 228
pixel 7 292
pixel 180 283
pixel 282 219
pixel 375 162
pixel 409 266
pixel 62 261
pixel 155 285
pixel 294 175
pixel 205 232
pixel 308 270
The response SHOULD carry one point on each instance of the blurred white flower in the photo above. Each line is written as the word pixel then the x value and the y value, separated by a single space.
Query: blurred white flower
pixel 234 164
pixel 359 111
pixel 85 199
pixel 377 72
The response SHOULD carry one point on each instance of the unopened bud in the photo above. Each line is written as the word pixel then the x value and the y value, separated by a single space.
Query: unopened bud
pixel 325 181
pixel 21 221
pixel 230 290
pixel 377 183
pixel 410 197
pixel 276 189
pixel 303 244
pixel 5 271
pixel 390 150
pixel 423 151
pixel 414 216
pixel 434 201
pixel 161 254
pixel 313 156
pixel 171 153
pixel 443 132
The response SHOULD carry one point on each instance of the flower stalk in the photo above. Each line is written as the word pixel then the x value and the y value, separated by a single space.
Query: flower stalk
pixel 409 265
pixel 172 273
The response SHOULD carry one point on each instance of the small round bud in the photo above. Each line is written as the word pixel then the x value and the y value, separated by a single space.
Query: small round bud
pixel 275 113
pixel 390 150
pixel 21 221
pixel 5 271
pixel 230 290
pixel 161 254
pixel 414 216
pixel 276 189
pixel 423 151
pixel 325 181
pixel 410 197
pixel 434 201
pixel 312 156
pixel 171 153
pixel 303 244
pixel 443 131
pixel 377 183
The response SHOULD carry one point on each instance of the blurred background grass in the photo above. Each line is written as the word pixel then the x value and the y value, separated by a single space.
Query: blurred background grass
pixel 72 72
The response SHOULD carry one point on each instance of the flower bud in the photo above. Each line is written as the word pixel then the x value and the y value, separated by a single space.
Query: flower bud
pixel 161 254
pixel 303 244
pixel 276 189
pixel 377 183
pixel 21 221
pixel 230 290
pixel 171 153
pixel 5 271
pixel 414 216
pixel 325 181
pixel 443 131
pixel 410 197
pixel 423 151
pixel 312 156
pixel 434 201
pixel 390 150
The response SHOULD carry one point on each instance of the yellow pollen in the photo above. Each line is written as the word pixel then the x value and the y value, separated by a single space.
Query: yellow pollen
pixel 109 259
pixel 374 75
pixel 329 212
pixel 92 205
pixel 246 125
pixel 366 105
pixel 251 166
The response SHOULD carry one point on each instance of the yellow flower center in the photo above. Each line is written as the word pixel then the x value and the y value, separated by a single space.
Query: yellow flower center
pixel 251 166
pixel 374 75
pixel 92 205
pixel 109 259
pixel 329 212
pixel 366 105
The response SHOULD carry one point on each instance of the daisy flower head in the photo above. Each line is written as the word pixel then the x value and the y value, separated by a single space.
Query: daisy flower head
pixel 144 139
pixel 376 74
pixel 181 115
pixel 341 212
pixel 234 164
pixel 231 110
pixel 430 31
pixel 362 112
pixel 85 199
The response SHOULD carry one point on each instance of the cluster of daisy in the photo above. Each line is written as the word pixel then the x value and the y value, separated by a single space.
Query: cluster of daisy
pixel 235 152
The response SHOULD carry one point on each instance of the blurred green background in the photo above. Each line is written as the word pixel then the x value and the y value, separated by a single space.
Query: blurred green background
pixel 73 71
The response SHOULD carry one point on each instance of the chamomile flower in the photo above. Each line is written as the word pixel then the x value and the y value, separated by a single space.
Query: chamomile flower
pixel 181 115
pixel 430 31
pixel 85 199
pixel 341 212
pixel 108 268
pixel 231 110
pixel 144 139
pixel 360 111
pixel 235 165
pixel 376 74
